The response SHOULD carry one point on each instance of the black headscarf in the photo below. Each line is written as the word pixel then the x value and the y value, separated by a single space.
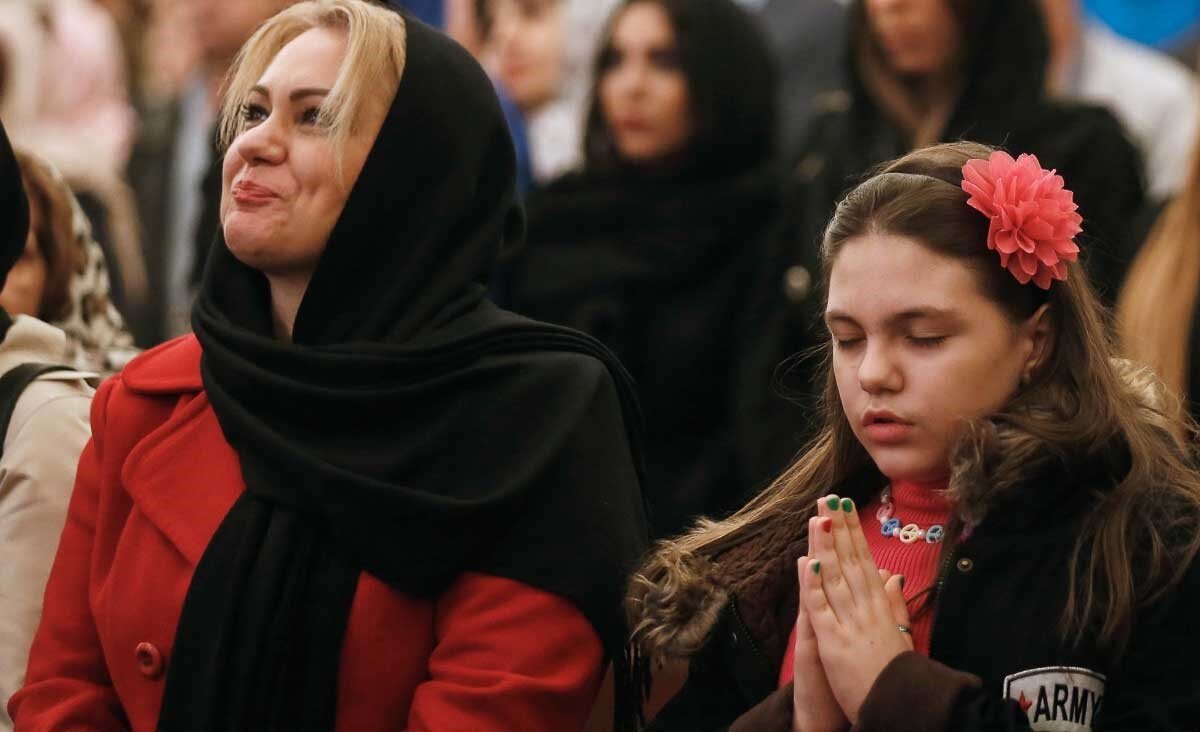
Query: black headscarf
pixel 412 430
pixel 14 208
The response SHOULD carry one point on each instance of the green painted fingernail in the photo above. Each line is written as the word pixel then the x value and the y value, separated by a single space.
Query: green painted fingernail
pixel 833 503
pixel 847 505
pixel 816 565
pixel 902 582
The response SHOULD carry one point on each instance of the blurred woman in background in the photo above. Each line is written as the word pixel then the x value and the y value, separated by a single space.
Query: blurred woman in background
pixel 62 276
pixel 652 246
pixel 1160 303
pixel 541 53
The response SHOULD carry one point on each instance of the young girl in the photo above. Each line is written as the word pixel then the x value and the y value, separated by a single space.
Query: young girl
pixel 996 529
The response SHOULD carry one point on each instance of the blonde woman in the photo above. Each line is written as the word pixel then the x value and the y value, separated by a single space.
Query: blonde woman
pixel 1157 311
pixel 360 497
pixel 996 528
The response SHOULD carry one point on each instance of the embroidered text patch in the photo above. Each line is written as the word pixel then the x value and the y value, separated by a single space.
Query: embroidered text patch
pixel 1057 698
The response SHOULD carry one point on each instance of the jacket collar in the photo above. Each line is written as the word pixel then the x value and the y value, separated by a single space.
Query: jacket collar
pixel 171 368
pixel 30 340
pixel 182 474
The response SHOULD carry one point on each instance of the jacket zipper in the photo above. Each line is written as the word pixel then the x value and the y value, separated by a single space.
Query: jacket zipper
pixel 943 573
pixel 741 627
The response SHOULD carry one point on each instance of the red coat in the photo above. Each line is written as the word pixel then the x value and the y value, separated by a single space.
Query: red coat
pixel 153 485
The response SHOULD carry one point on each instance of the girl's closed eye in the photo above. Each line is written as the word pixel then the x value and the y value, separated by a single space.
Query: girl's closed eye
pixel 927 341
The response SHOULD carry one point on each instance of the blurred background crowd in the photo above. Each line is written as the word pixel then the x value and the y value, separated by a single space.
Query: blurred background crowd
pixel 678 159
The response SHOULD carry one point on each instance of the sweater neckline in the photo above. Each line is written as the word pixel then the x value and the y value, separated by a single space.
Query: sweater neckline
pixel 920 496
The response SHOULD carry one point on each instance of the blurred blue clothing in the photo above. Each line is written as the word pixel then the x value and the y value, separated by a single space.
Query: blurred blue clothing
pixel 520 138
pixel 429 11
pixel 1160 23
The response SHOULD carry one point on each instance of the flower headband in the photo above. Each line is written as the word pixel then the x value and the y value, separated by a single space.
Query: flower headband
pixel 1033 217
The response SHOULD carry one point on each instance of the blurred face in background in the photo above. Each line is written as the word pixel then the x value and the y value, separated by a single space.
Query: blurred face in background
pixel 527 41
pixel 26 282
pixel 918 37
pixel 643 91
pixel 220 27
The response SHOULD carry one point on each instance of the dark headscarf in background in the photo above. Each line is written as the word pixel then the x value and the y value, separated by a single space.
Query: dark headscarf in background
pixel 656 260
pixel 412 430
pixel 14 208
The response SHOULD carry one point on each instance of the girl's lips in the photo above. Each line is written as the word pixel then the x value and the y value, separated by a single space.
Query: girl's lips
pixel 888 433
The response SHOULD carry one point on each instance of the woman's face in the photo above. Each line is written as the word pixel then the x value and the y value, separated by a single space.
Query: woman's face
pixel 643 91
pixel 281 189
pixel 26 281
pixel 918 349
pixel 919 37
pixel 528 38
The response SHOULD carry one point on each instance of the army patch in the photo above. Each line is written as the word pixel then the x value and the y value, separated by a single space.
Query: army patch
pixel 1057 698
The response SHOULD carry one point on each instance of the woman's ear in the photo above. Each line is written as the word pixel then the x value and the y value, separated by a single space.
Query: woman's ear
pixel 1038 330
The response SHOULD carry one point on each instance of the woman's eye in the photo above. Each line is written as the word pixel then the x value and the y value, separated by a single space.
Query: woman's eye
pixel 611 59
pixel 846 343
pixel 927 341
pixel 665 60
pixel 253 113
pixel 311 116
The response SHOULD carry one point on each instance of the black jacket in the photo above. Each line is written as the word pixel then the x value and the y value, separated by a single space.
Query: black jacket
pixel 1002 104
pixel 995 636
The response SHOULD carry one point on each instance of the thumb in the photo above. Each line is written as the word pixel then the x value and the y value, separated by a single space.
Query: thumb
pixel 893 588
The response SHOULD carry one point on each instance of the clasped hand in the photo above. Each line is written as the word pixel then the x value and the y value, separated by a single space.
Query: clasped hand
pixel 847 627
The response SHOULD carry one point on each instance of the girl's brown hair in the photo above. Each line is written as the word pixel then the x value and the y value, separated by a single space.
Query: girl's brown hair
pixel 1158 301
pixel 1140 528
pixel 53 219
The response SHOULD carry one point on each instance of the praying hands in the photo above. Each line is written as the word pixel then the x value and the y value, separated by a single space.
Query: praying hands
pixel 849 623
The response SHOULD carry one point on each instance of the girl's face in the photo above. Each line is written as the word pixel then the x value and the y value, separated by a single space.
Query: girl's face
pixel 919 37
pixel 528 38
pixel 643 91
pixel 918 350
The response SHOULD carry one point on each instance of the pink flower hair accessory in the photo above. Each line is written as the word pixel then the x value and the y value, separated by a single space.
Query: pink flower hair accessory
pixel 1034 219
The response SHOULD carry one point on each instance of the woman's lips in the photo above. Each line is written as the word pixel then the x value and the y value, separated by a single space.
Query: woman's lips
pixel 245 192
pixel 633 124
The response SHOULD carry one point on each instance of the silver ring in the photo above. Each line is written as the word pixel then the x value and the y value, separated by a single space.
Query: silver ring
pixel 904 629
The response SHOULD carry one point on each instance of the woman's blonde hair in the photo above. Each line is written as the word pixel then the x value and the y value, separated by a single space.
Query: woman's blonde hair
pixel 1157 305
pixel 1111 424
pixel 374 63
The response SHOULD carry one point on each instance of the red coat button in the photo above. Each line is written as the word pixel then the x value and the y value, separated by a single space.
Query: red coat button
pixel 149 660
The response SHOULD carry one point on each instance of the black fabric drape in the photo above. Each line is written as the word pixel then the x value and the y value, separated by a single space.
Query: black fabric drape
pixel 412 430
pixel 14 208
pixel 661 271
